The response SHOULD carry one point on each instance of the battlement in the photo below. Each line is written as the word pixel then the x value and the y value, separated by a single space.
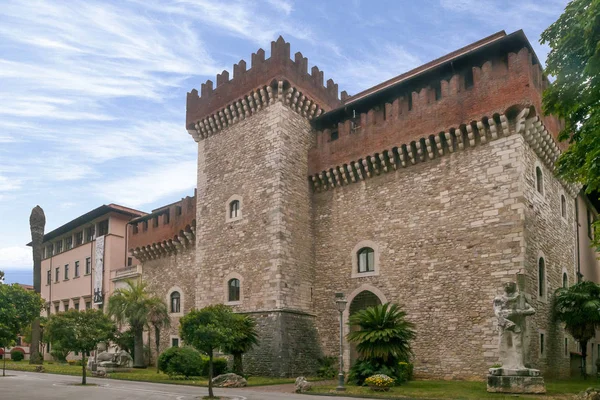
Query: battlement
pixel 456 94
pixel 278 67
pixel 164 230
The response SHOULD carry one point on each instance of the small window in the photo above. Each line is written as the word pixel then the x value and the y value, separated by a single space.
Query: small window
pixel 541 277
pixel 88 305
pixel 88 265
pixel 177 211
pixel 539 180
pixel 49 277
pixel 79 238
pixel 563 206
pixel 567 347
pixel 49 250
pixel 145 226
pixel 134 228
pixel 56 309
pixel 155 222
pixel 234 209
pixel 437 90
pixel 175 302
pixel 66 271
pixel 56 274
pixel 542 344
pixel 334 135
pixel 59 247
pixel 76 269
pixel 76 306
pixel 366 260
pixel 565 280
pixel 103 228
pixel 89 234
pixel 166 217
pixel 69 243
pixel 234 289
pixel 129 261
pixel 66 303
pixel 354 121
pixel 174 342
pixel 468 78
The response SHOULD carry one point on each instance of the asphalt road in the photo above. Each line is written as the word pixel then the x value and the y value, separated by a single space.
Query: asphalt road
pixel 30 385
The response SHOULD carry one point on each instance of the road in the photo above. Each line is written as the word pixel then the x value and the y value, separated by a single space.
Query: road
pixel 43 386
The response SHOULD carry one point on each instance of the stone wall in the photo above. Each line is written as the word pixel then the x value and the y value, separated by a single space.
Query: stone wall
pixel 449 233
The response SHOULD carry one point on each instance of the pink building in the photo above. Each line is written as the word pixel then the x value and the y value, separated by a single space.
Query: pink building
pixel 84 259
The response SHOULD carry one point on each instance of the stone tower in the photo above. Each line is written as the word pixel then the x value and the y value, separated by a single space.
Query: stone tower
pixel 254 220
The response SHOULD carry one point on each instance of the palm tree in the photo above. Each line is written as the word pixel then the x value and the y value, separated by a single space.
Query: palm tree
pixel 158 318
pixel 383 333
pixel 131 305
pixel 579 308
pixel 246 327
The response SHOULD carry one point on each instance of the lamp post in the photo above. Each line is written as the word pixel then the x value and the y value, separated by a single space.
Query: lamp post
pixel 340 303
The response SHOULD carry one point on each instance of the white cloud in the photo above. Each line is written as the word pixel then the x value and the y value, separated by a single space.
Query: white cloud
pixel 282 5
pixel 16 257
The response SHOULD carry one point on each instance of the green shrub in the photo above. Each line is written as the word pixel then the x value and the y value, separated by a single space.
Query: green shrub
pixel 327 367
pixel 17 355
pixel 362 369
pixel 219 366
pixel 405 372
pixel 181 361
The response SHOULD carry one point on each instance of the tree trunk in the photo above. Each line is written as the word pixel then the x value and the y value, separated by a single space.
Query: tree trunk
pixel 157 343
pixel 4 362
pixel 83 365
pixel 238 368
pixel 138 348
pixel 583 358
pixel 37 223
pixel 210 374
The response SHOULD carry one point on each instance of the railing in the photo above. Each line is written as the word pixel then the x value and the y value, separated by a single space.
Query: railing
pixel 126 272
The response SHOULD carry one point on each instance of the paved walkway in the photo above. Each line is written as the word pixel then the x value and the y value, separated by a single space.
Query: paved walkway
pixel 44 386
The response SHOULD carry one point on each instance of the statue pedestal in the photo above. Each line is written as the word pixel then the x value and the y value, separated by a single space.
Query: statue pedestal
pixel 504 380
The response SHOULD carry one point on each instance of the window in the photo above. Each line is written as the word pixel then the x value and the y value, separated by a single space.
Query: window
pixel 166 217
pixel 78 238
pixel 590 221
pixel 334 135
pixel 468 78
pixel 563 206
pixel 354 122
pixel 48 277
pixel 56 274
pixel 542 344
pixel 234 290
pixel 76 306
pixel 177 210
pixel 58 247
pixel 69 243
pixel 49 250
pixel 66 306
pixel 19 341
pixel 56 309
pixel 366 260
pixel 234 209
pixel 539 180
pixel 437 90
pixel 129 261
pixel 88 305
pixel 541 277
pixel 103 228
pixel 135 229
pixel 565 282
pixel 66 272
pixel 155 222
pixel 88 266
pixel 566 347
pixel 76 269
pixel 145 226
pixel 175 302
pixel 174 342
pixel 89 234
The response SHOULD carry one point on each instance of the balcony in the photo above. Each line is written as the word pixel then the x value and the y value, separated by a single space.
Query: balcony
pixel 133 271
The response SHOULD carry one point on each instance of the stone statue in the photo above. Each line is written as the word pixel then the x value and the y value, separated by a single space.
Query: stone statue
pixel 111 361
pixel 511 309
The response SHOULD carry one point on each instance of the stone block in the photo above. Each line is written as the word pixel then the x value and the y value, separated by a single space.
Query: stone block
pixel 515 384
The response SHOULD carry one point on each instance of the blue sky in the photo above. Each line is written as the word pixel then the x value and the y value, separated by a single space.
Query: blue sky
pixel 92 93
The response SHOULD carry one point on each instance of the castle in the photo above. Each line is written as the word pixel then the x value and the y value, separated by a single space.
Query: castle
pixel 429 190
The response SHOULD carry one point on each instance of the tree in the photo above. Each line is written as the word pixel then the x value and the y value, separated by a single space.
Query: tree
pixel 578 307
pixel 18 308
pixel 210 328
pixel 131 305
pixel 246 328
pixel 81 331
pixel 574 61
pixel 158 318
pixel 37 222
pixel 1 277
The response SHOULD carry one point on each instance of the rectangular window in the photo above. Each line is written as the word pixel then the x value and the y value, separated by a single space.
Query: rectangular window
pixel 76 269
pixel 542 343
pixel 66 306
pixel 58 247
pixel 79 238
pixel 66 272
pixel 88 266
pixel 145 226
pixel 48 277
pixel 56 309
pixel 129 261
pixel 89 234
pixel 69 243
pixel 56 274
pixel 155 222
pixel 177 210
pixel 334 135
pixel 88 305
pixel 166 217
pixel 174 342
pixel 566 347
pixel 49 249
pixel 77 306
pixel 135 229
pixel 103 228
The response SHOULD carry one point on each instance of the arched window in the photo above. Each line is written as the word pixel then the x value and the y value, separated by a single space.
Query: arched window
pixel 539 180
pixel 175 302
pixel 234 290
pixel 541 277
pixel 234 209
pixel 565 280
pixel 563 206
pixel 366 260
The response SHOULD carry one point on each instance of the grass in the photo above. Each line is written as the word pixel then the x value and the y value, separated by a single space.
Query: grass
pixel 142 375
pixel 556 389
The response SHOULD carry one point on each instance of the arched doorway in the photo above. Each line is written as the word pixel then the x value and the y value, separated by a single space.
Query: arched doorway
pixel 362 300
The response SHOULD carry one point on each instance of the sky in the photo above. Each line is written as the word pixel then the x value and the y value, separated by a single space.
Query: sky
pixel 92 93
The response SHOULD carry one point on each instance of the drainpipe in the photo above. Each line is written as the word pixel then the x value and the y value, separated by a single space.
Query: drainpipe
pixel 577 233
